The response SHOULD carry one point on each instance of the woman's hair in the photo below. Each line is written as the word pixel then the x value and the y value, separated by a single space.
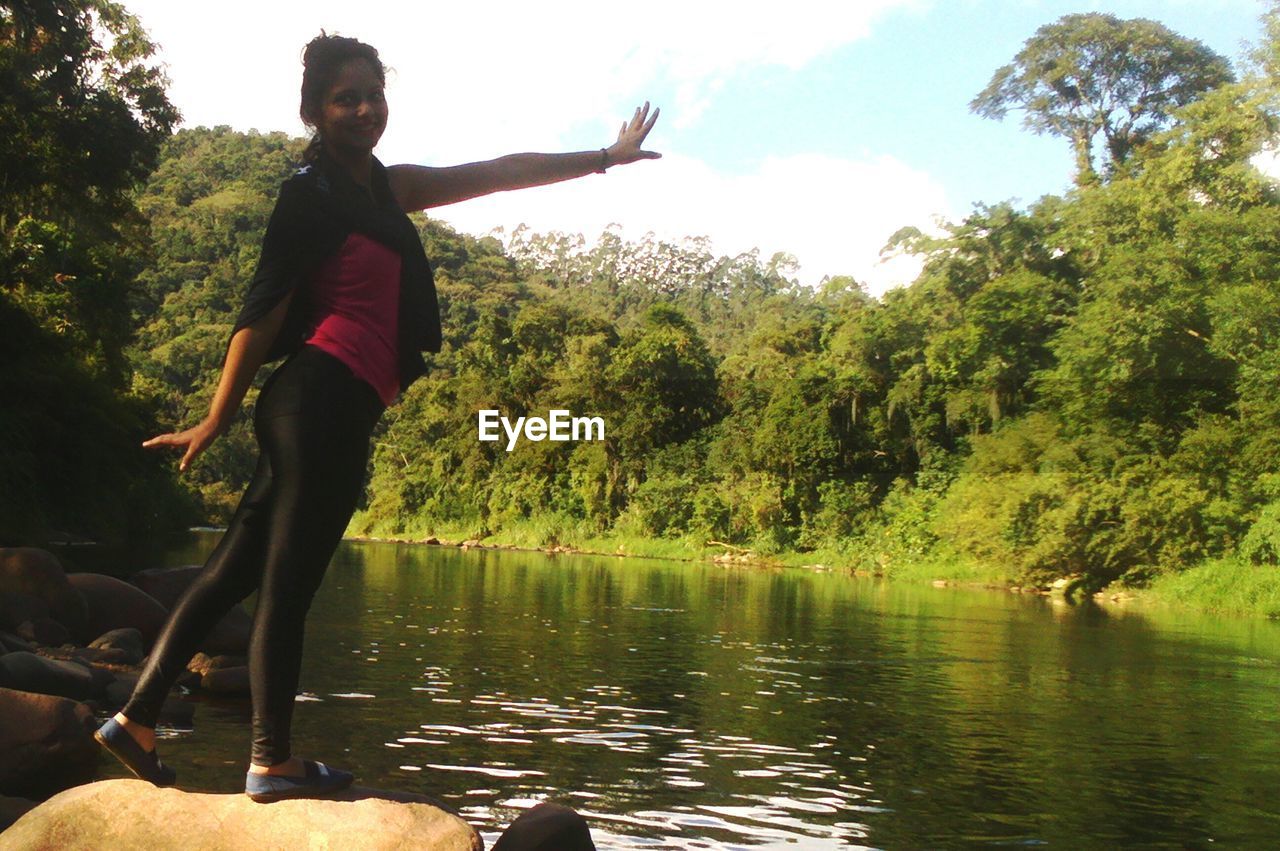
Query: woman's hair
pixel 322 58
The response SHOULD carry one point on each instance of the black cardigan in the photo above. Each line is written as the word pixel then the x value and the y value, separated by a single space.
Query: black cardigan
pixel 317 209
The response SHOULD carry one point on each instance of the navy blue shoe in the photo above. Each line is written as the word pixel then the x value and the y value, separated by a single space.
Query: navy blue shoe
pixel 320 780
pixel 145 764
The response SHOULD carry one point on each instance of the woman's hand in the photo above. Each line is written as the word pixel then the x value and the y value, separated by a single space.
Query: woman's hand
pixel 195 439
pixel 627 149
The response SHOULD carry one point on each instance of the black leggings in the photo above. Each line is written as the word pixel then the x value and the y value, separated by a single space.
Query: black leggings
pixel 313 422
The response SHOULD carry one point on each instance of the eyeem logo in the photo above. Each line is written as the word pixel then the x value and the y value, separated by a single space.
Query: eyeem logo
pixel 560 426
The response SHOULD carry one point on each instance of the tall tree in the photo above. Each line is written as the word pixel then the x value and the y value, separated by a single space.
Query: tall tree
pixel 84 113
pixel 1091 75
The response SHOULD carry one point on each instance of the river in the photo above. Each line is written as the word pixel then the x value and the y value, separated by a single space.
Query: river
pixel 699 706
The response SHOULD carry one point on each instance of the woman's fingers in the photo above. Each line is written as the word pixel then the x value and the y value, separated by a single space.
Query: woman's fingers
pixel 648 125
pixel 193 440
pixel 632 135
pixel 161 440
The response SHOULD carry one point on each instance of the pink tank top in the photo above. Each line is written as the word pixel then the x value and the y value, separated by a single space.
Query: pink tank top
pixel 356 298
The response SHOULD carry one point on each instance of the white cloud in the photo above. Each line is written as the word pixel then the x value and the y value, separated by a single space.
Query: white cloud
pixel 834 215
pixel 469 85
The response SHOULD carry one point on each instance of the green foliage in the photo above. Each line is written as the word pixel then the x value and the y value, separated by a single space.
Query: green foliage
pixel 1086 387
pixel 1094 75
pixel 85 114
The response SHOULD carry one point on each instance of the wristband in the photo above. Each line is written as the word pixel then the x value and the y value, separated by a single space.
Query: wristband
pixel 604 160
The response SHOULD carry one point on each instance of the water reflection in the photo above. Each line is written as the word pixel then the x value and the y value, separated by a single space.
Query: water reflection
pixel 687 706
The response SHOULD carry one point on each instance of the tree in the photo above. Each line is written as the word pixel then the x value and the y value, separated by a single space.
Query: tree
pixel 84 114
pixel 1094 74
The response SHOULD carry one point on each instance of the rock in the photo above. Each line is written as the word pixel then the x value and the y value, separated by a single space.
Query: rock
pixel 231 634
pixel 229 681
pixel 166 585
pixel 11 809
pixel 545 827
pixel 176 713
pixel 203 663
pixel 113 603
pixel 131 814
pixel 117 693
pixel 45 631
pixel 470 542
pixel 16 608
pixel 127 639
pixel 46 743
pixel 34 572
pixel 10 642
pixel 431 539
pixel 102 656
pixel 29 672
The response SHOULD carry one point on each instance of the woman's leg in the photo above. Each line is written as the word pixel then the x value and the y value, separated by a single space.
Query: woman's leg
pixel 230 574
pixel 318 456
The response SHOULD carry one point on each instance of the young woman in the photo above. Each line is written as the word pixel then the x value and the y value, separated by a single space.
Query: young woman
pixel 344 290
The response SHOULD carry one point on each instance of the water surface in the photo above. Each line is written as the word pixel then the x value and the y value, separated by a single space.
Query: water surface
pixel 698 706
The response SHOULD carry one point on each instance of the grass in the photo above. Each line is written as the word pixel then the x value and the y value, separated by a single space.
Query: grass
pixel 1227 586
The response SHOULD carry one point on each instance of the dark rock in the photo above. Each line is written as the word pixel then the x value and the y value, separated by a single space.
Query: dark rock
pixel 128 640
pixel 10 642
pixel 45 631
pixel 228 681
pixel 46 744
pixel 11 809
pixel 176 713
pixel 29 672
pixel 117 694
pixel 231 634
pixel 17 607
pixel 101 656
pixel 546 827
pixel 37 573
pixel 113 603
pixel 166 584
pixel 133 815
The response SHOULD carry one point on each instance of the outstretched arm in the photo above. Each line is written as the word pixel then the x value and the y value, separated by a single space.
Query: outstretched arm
pixel 419 187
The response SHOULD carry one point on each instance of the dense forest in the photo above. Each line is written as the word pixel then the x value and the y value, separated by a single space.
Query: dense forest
pixel 1085 387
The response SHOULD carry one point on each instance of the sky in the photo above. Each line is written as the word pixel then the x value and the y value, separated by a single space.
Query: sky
pixel 812 128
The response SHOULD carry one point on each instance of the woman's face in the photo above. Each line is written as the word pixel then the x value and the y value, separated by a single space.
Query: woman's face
pixel 354 111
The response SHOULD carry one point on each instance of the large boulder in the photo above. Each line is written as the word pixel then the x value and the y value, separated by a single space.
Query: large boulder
pixel 166 584
pixel 38 574
pixel 46 744
pixel 29 672
pixel 114 603
pixel 127 639
pixel 546 827
pixel 232 682
pixel 131 814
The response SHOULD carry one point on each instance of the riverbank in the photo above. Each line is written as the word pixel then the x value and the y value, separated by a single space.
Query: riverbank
pixel 1227 586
